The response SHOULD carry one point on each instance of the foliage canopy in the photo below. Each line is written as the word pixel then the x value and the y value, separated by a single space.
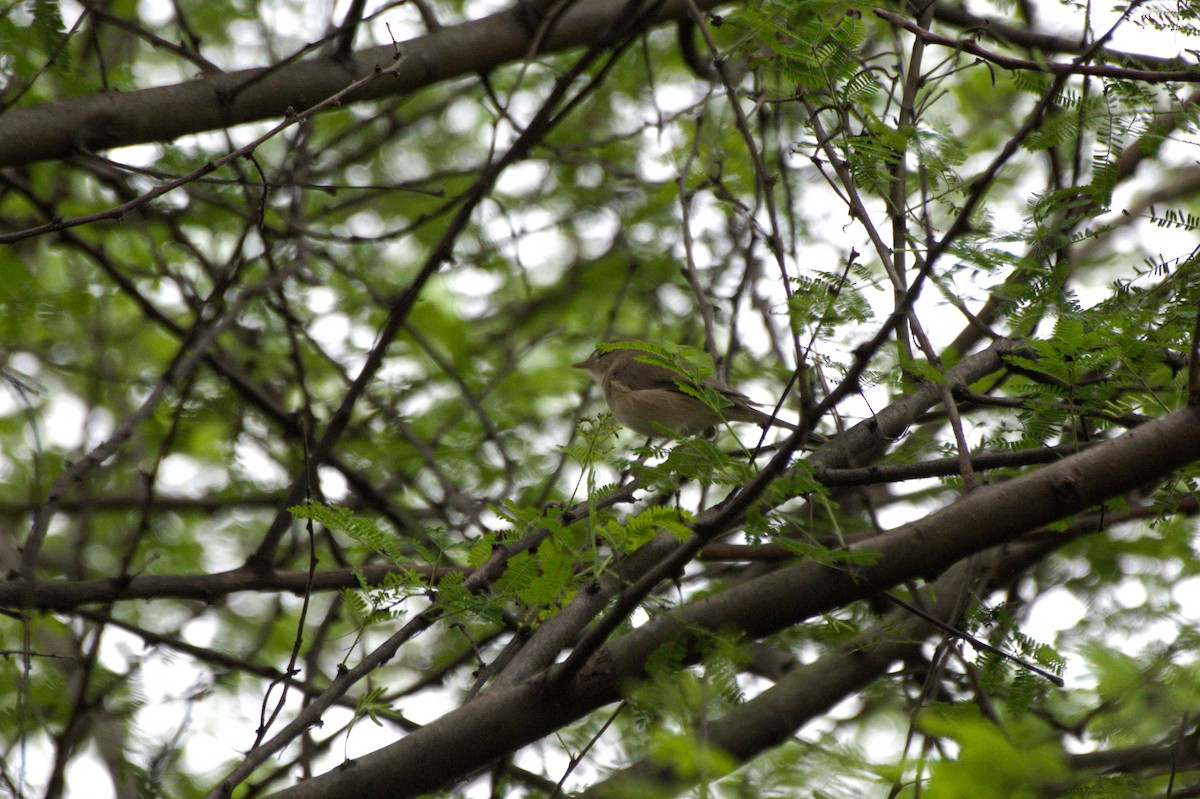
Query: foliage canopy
pixel 300 496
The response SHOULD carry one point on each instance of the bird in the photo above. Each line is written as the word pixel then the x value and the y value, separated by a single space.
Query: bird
pixel 647 398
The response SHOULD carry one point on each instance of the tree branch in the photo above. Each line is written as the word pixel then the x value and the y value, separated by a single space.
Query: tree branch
pixel 117 119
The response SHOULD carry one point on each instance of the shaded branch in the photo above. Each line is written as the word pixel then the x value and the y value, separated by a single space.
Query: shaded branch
pixel 1054 68
pixel 941 467
pixel 62 595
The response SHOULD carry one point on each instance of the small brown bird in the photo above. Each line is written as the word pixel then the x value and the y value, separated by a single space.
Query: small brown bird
pixel 646 397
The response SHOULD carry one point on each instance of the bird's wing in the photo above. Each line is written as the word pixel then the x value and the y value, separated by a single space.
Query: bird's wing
pixel 644 376
pixel 730 393
pixel 641 376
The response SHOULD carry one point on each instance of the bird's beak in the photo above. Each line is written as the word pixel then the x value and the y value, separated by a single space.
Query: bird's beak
pixel 586 363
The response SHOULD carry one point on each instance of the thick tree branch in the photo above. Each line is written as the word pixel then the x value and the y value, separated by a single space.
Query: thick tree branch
pixel 116 119
pixel 803 693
